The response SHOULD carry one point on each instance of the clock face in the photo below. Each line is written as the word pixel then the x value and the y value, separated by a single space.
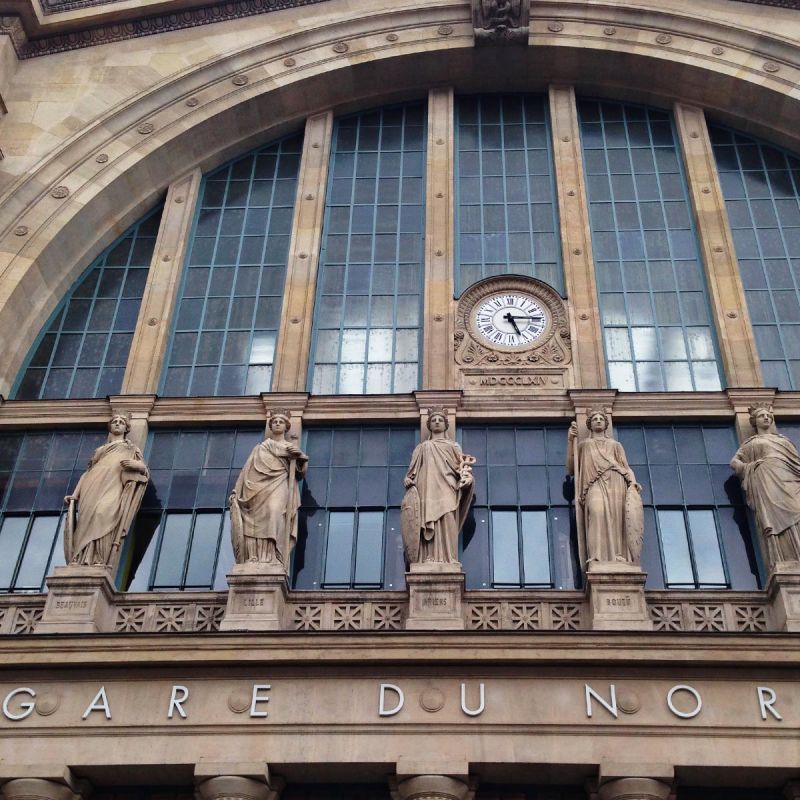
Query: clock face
pixel 510 319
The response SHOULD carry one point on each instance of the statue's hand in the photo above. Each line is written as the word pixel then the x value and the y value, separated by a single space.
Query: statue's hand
pixel 132 464
pixel 466 480
pixel 293 450
pixel 68 499
pixel 573 430
pixel 408 483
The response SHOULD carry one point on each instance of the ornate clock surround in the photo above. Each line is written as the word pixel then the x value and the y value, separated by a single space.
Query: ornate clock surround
pixel 543 364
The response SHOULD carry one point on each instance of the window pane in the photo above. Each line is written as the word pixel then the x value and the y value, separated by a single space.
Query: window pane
pixel 105 299
pixel 677 561
pixel 644 240
pixel 34 564
pixel 705 542
pixel 535 549
pixel 505 547
pixel 339 555
pixel 205 539
pixel 11 536
pixel 172 556
pixel 369 548
pixel 369 297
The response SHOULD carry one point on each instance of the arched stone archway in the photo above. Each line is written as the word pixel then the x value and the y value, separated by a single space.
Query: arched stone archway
pixel 119 165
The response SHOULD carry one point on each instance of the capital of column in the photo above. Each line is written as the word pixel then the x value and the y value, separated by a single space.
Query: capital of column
pixel 58 783
pixel 634 789
pixel 235 787
pixel 432 787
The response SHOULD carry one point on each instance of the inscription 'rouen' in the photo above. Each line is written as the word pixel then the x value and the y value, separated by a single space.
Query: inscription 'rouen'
pixel 389 700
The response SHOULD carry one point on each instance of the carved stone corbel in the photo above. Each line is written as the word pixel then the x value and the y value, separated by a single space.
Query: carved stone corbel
pixel 501 21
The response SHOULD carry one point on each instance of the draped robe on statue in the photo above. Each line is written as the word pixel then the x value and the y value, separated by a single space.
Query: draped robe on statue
pixel 108 498
pixel 603 478
pixel 435 470
pixel 768 466
pixel 264 504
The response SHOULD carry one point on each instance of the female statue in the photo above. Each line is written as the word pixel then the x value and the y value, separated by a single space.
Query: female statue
pixel 439 489
pixel 266 497
pixel 102 507
pixel 607 496
pixel 768 466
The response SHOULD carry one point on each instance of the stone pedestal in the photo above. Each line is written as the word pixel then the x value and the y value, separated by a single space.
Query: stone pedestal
pixel 256 598
pixel 80 600
pixel 435 593
pixel 615 592
pixel 783 589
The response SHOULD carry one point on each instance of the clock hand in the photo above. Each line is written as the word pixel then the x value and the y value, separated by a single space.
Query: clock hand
pixel 539 317
pixel 509 318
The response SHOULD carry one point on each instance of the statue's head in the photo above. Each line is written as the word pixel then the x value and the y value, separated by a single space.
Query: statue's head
pixel 761 417
pixel 279 421
pixel 597 420
pixel 437 420
pixel 120 424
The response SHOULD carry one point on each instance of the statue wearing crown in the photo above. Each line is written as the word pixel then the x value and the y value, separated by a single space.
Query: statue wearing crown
pixel 266 497
pixel 768 465
pixel 101 508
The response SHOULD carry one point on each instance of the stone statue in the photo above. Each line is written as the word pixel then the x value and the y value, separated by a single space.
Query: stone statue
pixel 266 497
pixel 439 490
pixel 105 501
pixel 768 466
pixel 607 497
pixel 500 21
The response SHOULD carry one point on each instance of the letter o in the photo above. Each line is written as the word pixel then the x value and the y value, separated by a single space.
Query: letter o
pixel 682 687
pixel 27 707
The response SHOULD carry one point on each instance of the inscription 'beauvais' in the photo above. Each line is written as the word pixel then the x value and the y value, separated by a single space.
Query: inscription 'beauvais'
pixel 683 701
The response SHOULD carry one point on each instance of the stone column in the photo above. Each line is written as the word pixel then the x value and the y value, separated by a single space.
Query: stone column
pixel 297 314
pixel 437 349
pixel 153 328
pixel 245 782
pixel 32 782
pixel 576 241
pixel 736 342
pixel 620 781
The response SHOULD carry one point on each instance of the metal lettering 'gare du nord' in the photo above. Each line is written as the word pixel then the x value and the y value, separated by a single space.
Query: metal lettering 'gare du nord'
pixel 175 701
pixel 439 490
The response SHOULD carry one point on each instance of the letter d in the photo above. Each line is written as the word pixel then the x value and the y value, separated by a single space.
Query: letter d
pixel 390 712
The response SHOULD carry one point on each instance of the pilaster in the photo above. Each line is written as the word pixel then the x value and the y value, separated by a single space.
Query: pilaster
pixel 576 240
pixel 154 324
pixel 294 337
pixel 735 335
pixel 437 349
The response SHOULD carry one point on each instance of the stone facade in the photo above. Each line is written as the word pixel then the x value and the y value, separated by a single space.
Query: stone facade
pixel 435 691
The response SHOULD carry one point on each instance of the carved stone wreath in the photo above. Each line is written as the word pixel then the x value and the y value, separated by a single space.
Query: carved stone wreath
pixel 551 349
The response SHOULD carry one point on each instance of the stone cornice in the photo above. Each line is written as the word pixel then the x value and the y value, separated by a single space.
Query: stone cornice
pixel 795 4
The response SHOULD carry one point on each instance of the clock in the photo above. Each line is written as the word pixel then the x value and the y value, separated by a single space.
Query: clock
pixel 510 319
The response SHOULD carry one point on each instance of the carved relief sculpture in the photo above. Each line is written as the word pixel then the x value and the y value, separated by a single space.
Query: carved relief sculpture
pixel 105 501
pixel 607 497
pixel 266 497
pixel 439 490
pixel 501 21
pixel 768 465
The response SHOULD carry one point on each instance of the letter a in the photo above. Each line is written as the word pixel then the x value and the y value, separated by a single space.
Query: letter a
pixel 100 703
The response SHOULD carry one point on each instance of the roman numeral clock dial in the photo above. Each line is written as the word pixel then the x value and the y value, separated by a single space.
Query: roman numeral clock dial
pixel 511 319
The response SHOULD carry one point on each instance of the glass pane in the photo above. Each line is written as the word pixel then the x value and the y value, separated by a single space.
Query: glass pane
pixel 12 534
pixel 339 551
pixel 505 548
pixel 369 548
pixel 205 539
pixel 34 564
pixel 705 543
pixel 535 549
pixel 675 549
pixel 172 555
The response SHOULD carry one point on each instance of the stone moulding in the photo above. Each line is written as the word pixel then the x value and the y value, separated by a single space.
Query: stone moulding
pixel 27 47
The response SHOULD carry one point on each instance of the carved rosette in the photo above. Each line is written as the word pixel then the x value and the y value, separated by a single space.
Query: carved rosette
pixel 501 21
pixel 551 349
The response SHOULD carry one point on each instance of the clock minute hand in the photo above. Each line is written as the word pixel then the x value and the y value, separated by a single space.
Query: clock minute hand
pixel 509 318
pixel 538 316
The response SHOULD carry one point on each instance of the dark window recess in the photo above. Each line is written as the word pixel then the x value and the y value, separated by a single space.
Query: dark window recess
pixel 37 470
pixel 697 527
pixel 182 533
pixel 83 350
pixel 349 533
pixel 520 531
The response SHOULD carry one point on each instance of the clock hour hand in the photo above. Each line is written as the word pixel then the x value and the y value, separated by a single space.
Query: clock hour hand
pixel 509 318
